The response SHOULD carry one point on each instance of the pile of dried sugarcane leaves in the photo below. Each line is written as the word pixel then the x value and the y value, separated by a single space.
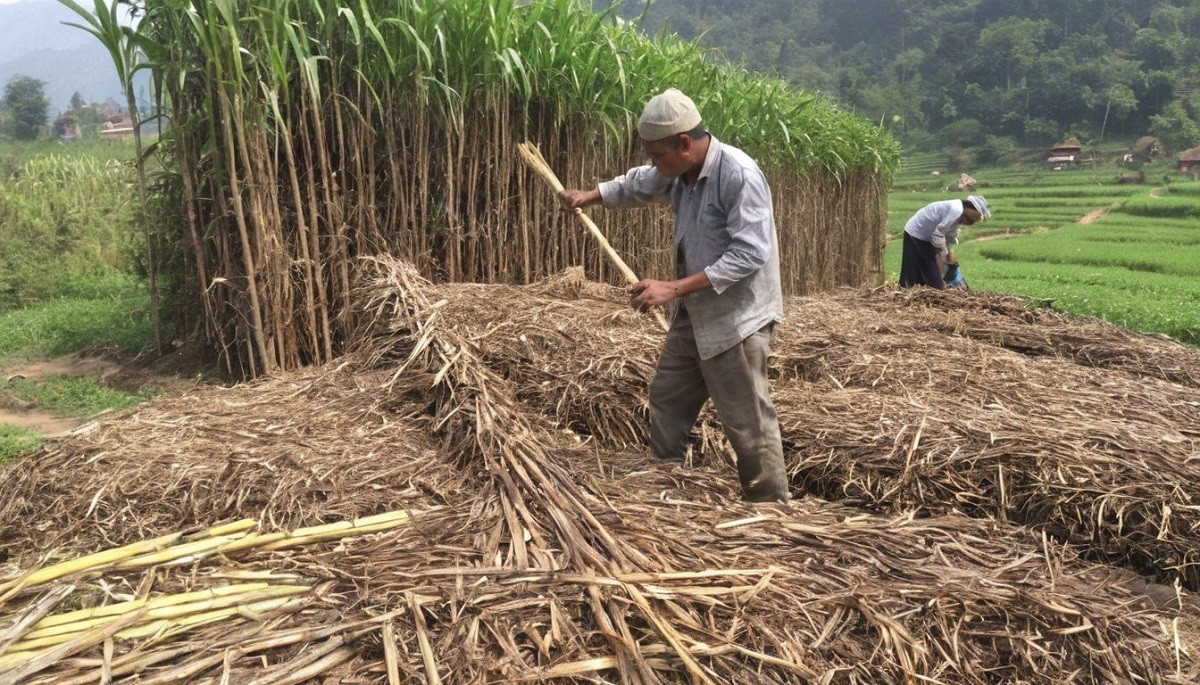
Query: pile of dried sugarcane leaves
pixel 985 493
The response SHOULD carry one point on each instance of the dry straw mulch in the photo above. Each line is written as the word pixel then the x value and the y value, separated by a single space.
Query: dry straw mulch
pixel 548 546
pixel 903 400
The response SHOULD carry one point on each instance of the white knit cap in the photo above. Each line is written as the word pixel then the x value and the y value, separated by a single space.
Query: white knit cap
pixel 666 114
pixel 980 204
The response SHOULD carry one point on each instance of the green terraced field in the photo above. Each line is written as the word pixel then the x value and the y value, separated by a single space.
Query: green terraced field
pixel 1022 201
pixel 1138 265
pixel 1175 206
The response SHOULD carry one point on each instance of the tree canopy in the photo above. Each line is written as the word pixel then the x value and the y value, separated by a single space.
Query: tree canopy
pixel 25 107
pixel 941 72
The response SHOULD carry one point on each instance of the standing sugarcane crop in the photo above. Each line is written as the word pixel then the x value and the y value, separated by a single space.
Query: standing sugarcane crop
pixel 726 297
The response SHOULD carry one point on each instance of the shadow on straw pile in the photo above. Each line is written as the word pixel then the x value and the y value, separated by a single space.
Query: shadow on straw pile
pixel 563 558
pixel 1008 322
pixel 903 400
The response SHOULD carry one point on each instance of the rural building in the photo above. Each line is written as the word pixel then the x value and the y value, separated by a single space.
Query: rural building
pixel 1189 161
pixel 117 127
pixel 1066 154
pixel 65 128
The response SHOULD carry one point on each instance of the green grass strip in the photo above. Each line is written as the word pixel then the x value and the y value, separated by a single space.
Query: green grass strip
pixel 68 325
pixel 1163 206
pixel 1050 249
pixel 15 442
pixel 1184 189
pixel 73 395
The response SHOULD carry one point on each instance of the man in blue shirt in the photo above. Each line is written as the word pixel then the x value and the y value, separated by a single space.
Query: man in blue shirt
pixel 726 297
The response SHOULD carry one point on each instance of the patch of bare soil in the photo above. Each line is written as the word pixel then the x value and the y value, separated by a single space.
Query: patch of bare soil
pixel 42 422
pixel 1093 215
pixel 67 365
pixel 127 375
pixel 1002 236
pixel 1084 220
pixel 119 375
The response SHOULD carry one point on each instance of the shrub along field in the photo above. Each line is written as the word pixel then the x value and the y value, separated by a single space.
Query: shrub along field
pixel 70 260
pixel 66 213
pixel 69 275
pixel 1136 265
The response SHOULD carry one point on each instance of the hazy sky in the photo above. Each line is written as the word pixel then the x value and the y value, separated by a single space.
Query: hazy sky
pixel 34 42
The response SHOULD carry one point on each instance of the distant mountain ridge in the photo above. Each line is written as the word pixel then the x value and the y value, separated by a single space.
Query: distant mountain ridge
pixel 29 25
pixel 34 42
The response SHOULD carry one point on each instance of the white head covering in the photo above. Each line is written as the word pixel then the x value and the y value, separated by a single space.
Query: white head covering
pixel 980 204
pixel 666 114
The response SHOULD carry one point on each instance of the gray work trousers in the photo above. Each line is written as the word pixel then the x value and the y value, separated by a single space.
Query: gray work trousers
pixel 737 382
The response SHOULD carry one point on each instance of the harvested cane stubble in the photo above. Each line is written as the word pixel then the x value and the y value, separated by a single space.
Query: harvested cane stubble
pixel 1000 473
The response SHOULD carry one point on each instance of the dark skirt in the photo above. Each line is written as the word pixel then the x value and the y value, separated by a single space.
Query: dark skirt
pixel 918 265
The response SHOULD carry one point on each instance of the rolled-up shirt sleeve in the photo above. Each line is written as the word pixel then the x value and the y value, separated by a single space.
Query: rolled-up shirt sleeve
pixel 751 227
pixel 951 237
pixel 638 186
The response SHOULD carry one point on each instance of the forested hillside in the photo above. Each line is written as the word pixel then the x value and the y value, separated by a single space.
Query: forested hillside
pixel 984 73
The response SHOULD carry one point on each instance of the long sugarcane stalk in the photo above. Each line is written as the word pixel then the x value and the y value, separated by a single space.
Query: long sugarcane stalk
pixel 149 604
pixel 534 160
pixel 134 625
pixel 32 662
pixel 339 529
pixel 160 550
pixel 180 554
pixel 127 554
pixel 329 531
pixel 231 644
pixel 171 606
pixel 158 616
pixel 89 562
pixel 223 529
pixel 177 612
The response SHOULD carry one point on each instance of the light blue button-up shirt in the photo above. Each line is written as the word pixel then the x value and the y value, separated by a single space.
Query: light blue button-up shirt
pixel 725 227
pixel 937 223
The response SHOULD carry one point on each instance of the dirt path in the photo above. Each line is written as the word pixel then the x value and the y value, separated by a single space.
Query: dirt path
pixel 16 412
pixel 69 365
pixel 1002 236
pixel 1093 215
pixel 1084 220
pixel 38 421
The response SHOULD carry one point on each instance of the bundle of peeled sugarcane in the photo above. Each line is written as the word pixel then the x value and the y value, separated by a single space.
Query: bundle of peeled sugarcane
pixel 31 639
pixel 168 550
pixel 146 617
